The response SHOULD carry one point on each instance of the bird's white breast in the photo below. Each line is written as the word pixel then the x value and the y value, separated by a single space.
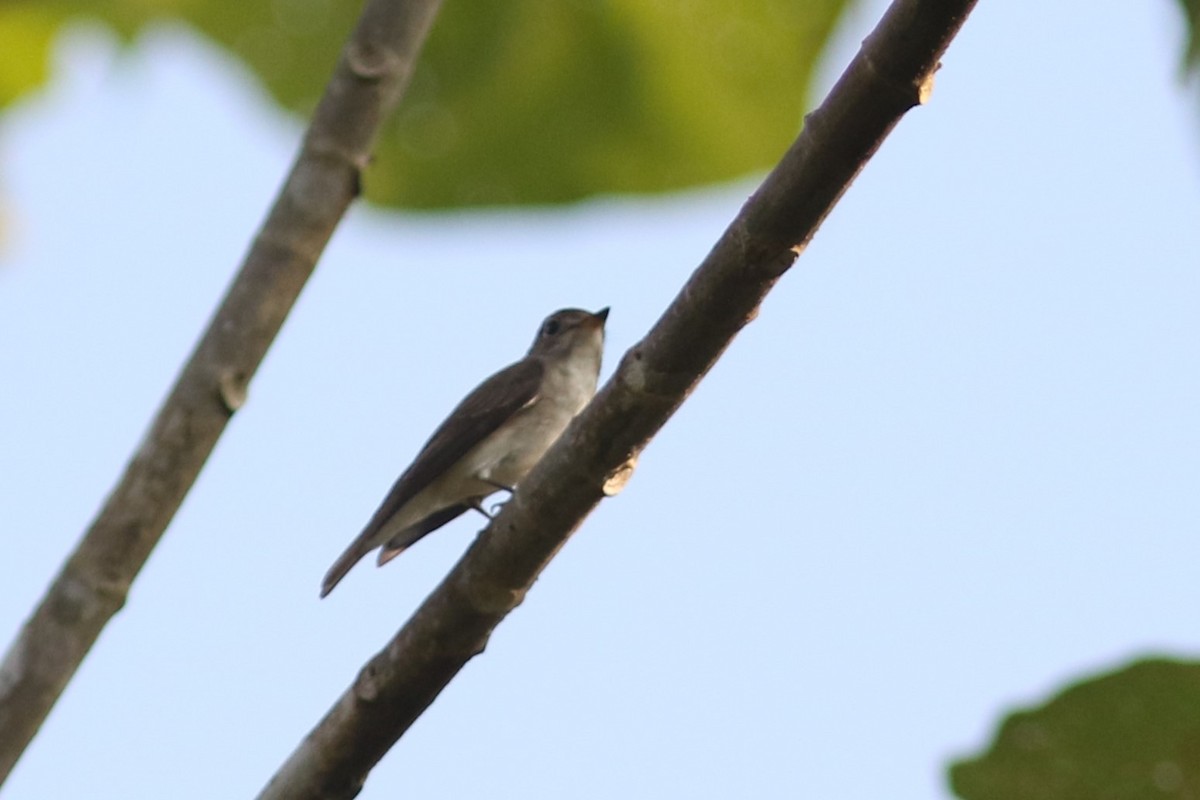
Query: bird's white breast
pixel 508 455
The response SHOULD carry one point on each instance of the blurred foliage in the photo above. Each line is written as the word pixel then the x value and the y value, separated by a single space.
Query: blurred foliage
pixel 525 101
pixel 1191 13
pixel 1128 735
pixel 26 32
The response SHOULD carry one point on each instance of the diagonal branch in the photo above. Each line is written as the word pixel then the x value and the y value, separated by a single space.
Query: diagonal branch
pixel 370 77
pixel 892 73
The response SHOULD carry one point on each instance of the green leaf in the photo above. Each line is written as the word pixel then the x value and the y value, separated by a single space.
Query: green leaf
pixel 1191 13
pixel 26 33
pixel 1129 735
pixel 527 101
pixel 537 102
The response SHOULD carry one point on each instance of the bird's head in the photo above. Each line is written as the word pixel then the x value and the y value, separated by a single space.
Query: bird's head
pixel 571 332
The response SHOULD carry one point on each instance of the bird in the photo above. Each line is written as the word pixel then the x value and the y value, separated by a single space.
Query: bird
pixel 490 441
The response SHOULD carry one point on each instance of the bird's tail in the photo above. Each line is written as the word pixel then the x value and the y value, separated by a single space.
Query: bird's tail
pixel 345 562
pixel 409 536
pixel 368 541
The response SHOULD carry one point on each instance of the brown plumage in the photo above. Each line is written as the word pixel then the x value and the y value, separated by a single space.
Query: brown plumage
pixel 489 441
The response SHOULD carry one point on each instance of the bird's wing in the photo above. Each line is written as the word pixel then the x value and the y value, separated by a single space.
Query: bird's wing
pixel 414 533
pixel 474 419
pixel 479 415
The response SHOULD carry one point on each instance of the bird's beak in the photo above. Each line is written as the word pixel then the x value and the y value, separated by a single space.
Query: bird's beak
pixel 601 315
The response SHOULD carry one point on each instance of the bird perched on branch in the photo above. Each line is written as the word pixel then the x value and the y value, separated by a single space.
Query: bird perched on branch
pixel 491 439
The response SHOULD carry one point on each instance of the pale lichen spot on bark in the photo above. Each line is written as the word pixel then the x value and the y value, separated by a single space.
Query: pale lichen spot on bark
pixel 634 373
pixel 366 687
pixel 74 599
pixel 13 667
pixel 488 598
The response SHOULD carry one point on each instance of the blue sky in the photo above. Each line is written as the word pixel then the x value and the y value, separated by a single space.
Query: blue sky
pixel 952 465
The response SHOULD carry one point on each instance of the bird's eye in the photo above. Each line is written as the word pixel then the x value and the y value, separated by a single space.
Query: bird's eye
pixel 551 327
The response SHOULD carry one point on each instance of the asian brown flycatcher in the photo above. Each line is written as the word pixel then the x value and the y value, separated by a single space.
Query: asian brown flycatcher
pixel 491 439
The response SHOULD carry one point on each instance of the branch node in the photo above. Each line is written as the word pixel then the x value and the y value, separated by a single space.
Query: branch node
pixel 370 62
pixel 925 87
pixel 774 266
pixel 492 600
pixel 332 151
pixel 615 481
pixel 907 94
pixel 232 388
pixel 366 686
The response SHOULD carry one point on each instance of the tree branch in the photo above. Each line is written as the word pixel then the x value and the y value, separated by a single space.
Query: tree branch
pixel 92 585
pixel 891 73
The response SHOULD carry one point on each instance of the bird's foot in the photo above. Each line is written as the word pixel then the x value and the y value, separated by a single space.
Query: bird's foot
pixel 478 506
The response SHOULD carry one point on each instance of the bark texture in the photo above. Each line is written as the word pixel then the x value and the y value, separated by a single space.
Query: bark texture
pixel 92 585
pixel 891 73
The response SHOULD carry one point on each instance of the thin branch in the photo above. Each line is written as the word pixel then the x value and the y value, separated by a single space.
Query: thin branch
pixel 892 73
pixel 92 585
